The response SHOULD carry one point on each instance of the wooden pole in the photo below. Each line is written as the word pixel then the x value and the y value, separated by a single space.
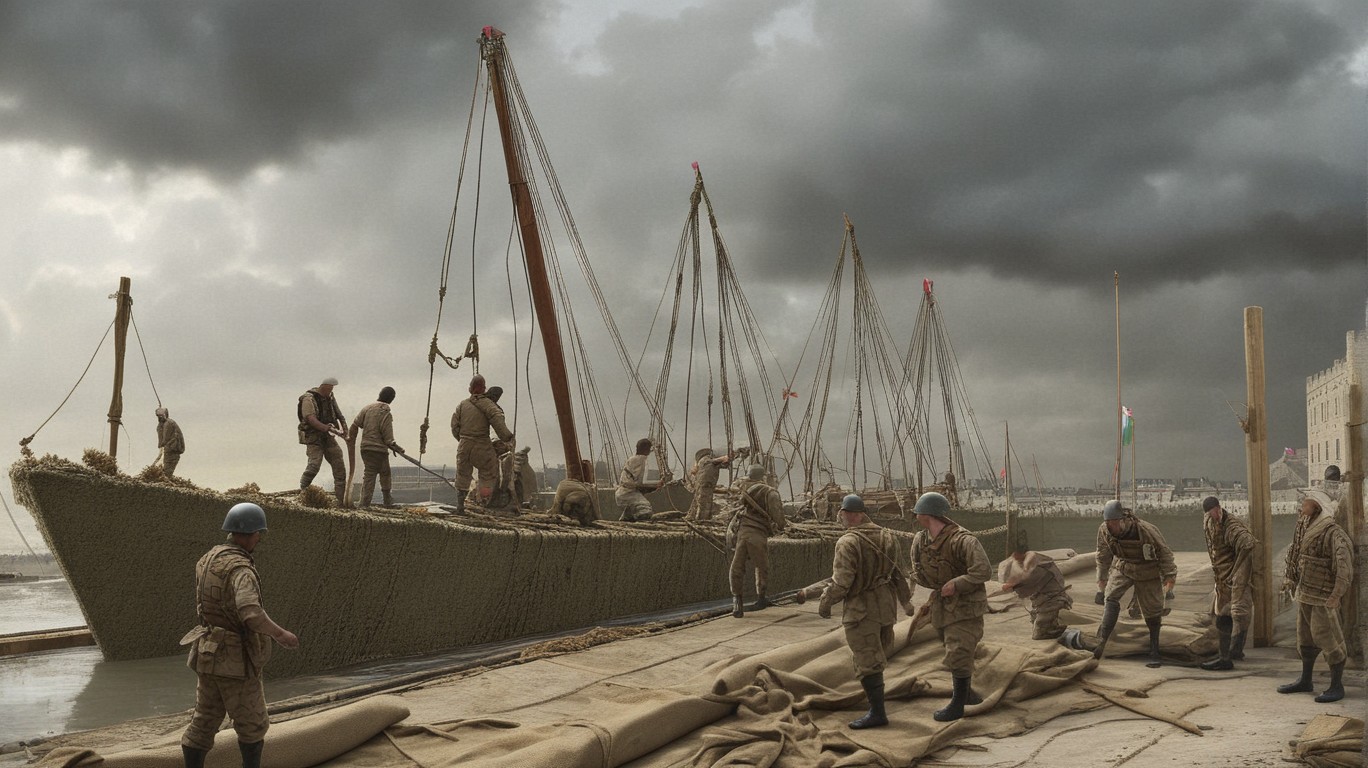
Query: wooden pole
pixel 1351 518
pixel 1116 471
pixel 1256 461
pixel 1135 490
pixel 1007 466
pixel 492 48
pixel 123 306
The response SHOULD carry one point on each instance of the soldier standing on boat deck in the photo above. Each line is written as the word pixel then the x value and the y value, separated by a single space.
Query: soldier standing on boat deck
pixel 470 425
pixel 377 425
pixel 1034 575
pixel 761 516
pixel 950 562
pixel 1320 567
pixel 1132 552
pixel 631 482
pixel 706 469
pixel 1231 548
pixel 869 584
pixel 232 642
pixel 320 422
pixel 170 440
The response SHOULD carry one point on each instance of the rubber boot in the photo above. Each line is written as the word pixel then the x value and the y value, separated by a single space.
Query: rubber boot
pixel 737 610
pixel 251 753
pixel 194 758
pixel 1336 690
pixel 874 689
pixel 1154 624
pixel 1303 684
pixel 1109 616
pixel 460 502
pixel 955 709
pixel 1237 642
pixel 1222 662
pixel 761 602
pixel 388 498
pixel 340 491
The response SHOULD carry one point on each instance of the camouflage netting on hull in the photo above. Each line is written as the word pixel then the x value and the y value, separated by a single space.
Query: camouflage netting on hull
pixel 357 586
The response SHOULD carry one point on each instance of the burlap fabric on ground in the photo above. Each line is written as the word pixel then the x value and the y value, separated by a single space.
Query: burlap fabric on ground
pixel 1331 741
pixel 299 743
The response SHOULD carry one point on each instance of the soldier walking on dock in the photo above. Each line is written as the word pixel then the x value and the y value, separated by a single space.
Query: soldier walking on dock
pixel 761 516
pixel 1320 568
pixel 1231 548
pixel 1132 552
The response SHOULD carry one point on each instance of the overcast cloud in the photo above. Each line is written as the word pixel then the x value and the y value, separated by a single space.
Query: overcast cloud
pixel 277 179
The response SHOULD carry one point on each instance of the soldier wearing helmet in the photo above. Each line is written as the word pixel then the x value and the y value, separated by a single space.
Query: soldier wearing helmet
pixel 1132 552
pixel 232 642
pixel 320 423
pixel 1320 572
pixel 867 578
pixel 1230 546
pixel 170 440
pixel 707 467
pixel 470 425
pixel 950 562
pixel 761 516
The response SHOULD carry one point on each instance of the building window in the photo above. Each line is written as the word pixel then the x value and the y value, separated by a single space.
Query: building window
pixel 1337 454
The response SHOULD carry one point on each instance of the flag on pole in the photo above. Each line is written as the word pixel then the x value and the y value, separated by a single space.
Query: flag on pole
pixel 1003 473
pixel 1127 425
pixel 1289 453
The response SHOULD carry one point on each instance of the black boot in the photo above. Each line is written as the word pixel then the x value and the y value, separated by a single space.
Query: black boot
pixel 737 610
pixel 761 602
pixel 1336 690
pixel 194 758
pixel 251 753
pixel 1303 685
pixel 388 499
pixel 1109 616
pixel 1237 642
pixel 955 709
pixel 1154 624
pixel 874 689
pixel 1222 662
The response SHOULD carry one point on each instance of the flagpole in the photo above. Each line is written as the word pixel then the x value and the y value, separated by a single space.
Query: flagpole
pixel 1116 471
pixel 1134 490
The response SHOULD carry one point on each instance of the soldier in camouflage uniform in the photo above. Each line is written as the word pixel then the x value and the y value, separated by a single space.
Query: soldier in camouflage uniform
pixel 761 516
pixel 1231 548
pixel 707 467
pixel 1320 567
pixel 1034 575
pixel 320 422
pixel 170 440
pixel 470 425
pixel 950 562
pixel 869 584
pixel 376 424
pixel 1132 552
pixel 630 501
pixel 231 643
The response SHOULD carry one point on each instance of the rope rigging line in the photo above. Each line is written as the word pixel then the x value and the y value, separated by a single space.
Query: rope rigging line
pixel 24 443
pixel 138 336
pixel 17 529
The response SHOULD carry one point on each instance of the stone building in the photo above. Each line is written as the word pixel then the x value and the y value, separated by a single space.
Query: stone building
pixel 1327 406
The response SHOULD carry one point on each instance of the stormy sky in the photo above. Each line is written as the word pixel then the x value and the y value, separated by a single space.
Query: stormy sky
pixel 278 179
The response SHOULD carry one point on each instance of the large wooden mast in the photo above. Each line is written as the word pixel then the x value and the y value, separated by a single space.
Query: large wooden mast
pixel 494 54
pixel 124 307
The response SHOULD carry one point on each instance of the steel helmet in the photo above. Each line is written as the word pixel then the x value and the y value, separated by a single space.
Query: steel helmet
pixel 757 472
pixel 932 504
pixel 245 518
pixel 852 503
pixel 1113 510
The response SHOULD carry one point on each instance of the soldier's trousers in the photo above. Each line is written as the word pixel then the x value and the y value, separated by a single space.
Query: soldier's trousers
pixel 1149 593
pixel 169 462
pixel 472 454
pixel 961 639
pixel 632 504
pixel 242 700
pixel 750 545
pixel 869 642
pixel 1045 617
pixel 325 447
pixel 1319 627
pixel 1238 608
pixel 703 501
pixel 376 465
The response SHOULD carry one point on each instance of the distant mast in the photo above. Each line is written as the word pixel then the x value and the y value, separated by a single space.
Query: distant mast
pixel 493 52
pixel 123 309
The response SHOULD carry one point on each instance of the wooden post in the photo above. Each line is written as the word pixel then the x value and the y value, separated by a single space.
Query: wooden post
pixel 123 306
pixel 1007 466
pixel 1350 517
pixel 1260 494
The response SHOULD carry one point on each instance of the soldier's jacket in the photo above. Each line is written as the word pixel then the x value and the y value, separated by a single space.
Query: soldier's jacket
pixel 226 585
pixel 761 507
pixel 1036 577
pixel 575 499
pixel 377 426
pixel 473 418
pixel 866 577
pixel 955 555
pixel 1231 548
pixel 320 406
pixel 1139 553
pixel 169 436
pixel 1327 562
pixel 633 473
pixel 708 471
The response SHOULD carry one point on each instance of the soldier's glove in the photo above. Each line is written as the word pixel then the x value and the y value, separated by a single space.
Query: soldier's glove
pixel 1168 595
pixel 800 596
pixel 1100 598
pixel 824 611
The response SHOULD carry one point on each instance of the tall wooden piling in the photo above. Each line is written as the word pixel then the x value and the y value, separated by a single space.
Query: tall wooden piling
pixel 1260 493
pixel 123 308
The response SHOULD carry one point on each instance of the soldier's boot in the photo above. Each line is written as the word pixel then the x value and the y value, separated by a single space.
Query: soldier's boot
pixel 460 501
pixel 1109 616
pixel 194 758
pixel 973 697
pixel 1303 684
pixel 1237 642
pixel 340 491
pixel 1336 690
pixel 737 610
pixel 761 602
pixel 958 698
pixel 1222 662
pixel 1154 624
pixel 874 689
pixel 251 753
pixel 388 498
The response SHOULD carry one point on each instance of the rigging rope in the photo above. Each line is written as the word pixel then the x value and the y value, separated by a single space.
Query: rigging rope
pixel 24 443
pixel 138 336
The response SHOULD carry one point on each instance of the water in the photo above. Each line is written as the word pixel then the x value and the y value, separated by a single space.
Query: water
pixel 37 605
